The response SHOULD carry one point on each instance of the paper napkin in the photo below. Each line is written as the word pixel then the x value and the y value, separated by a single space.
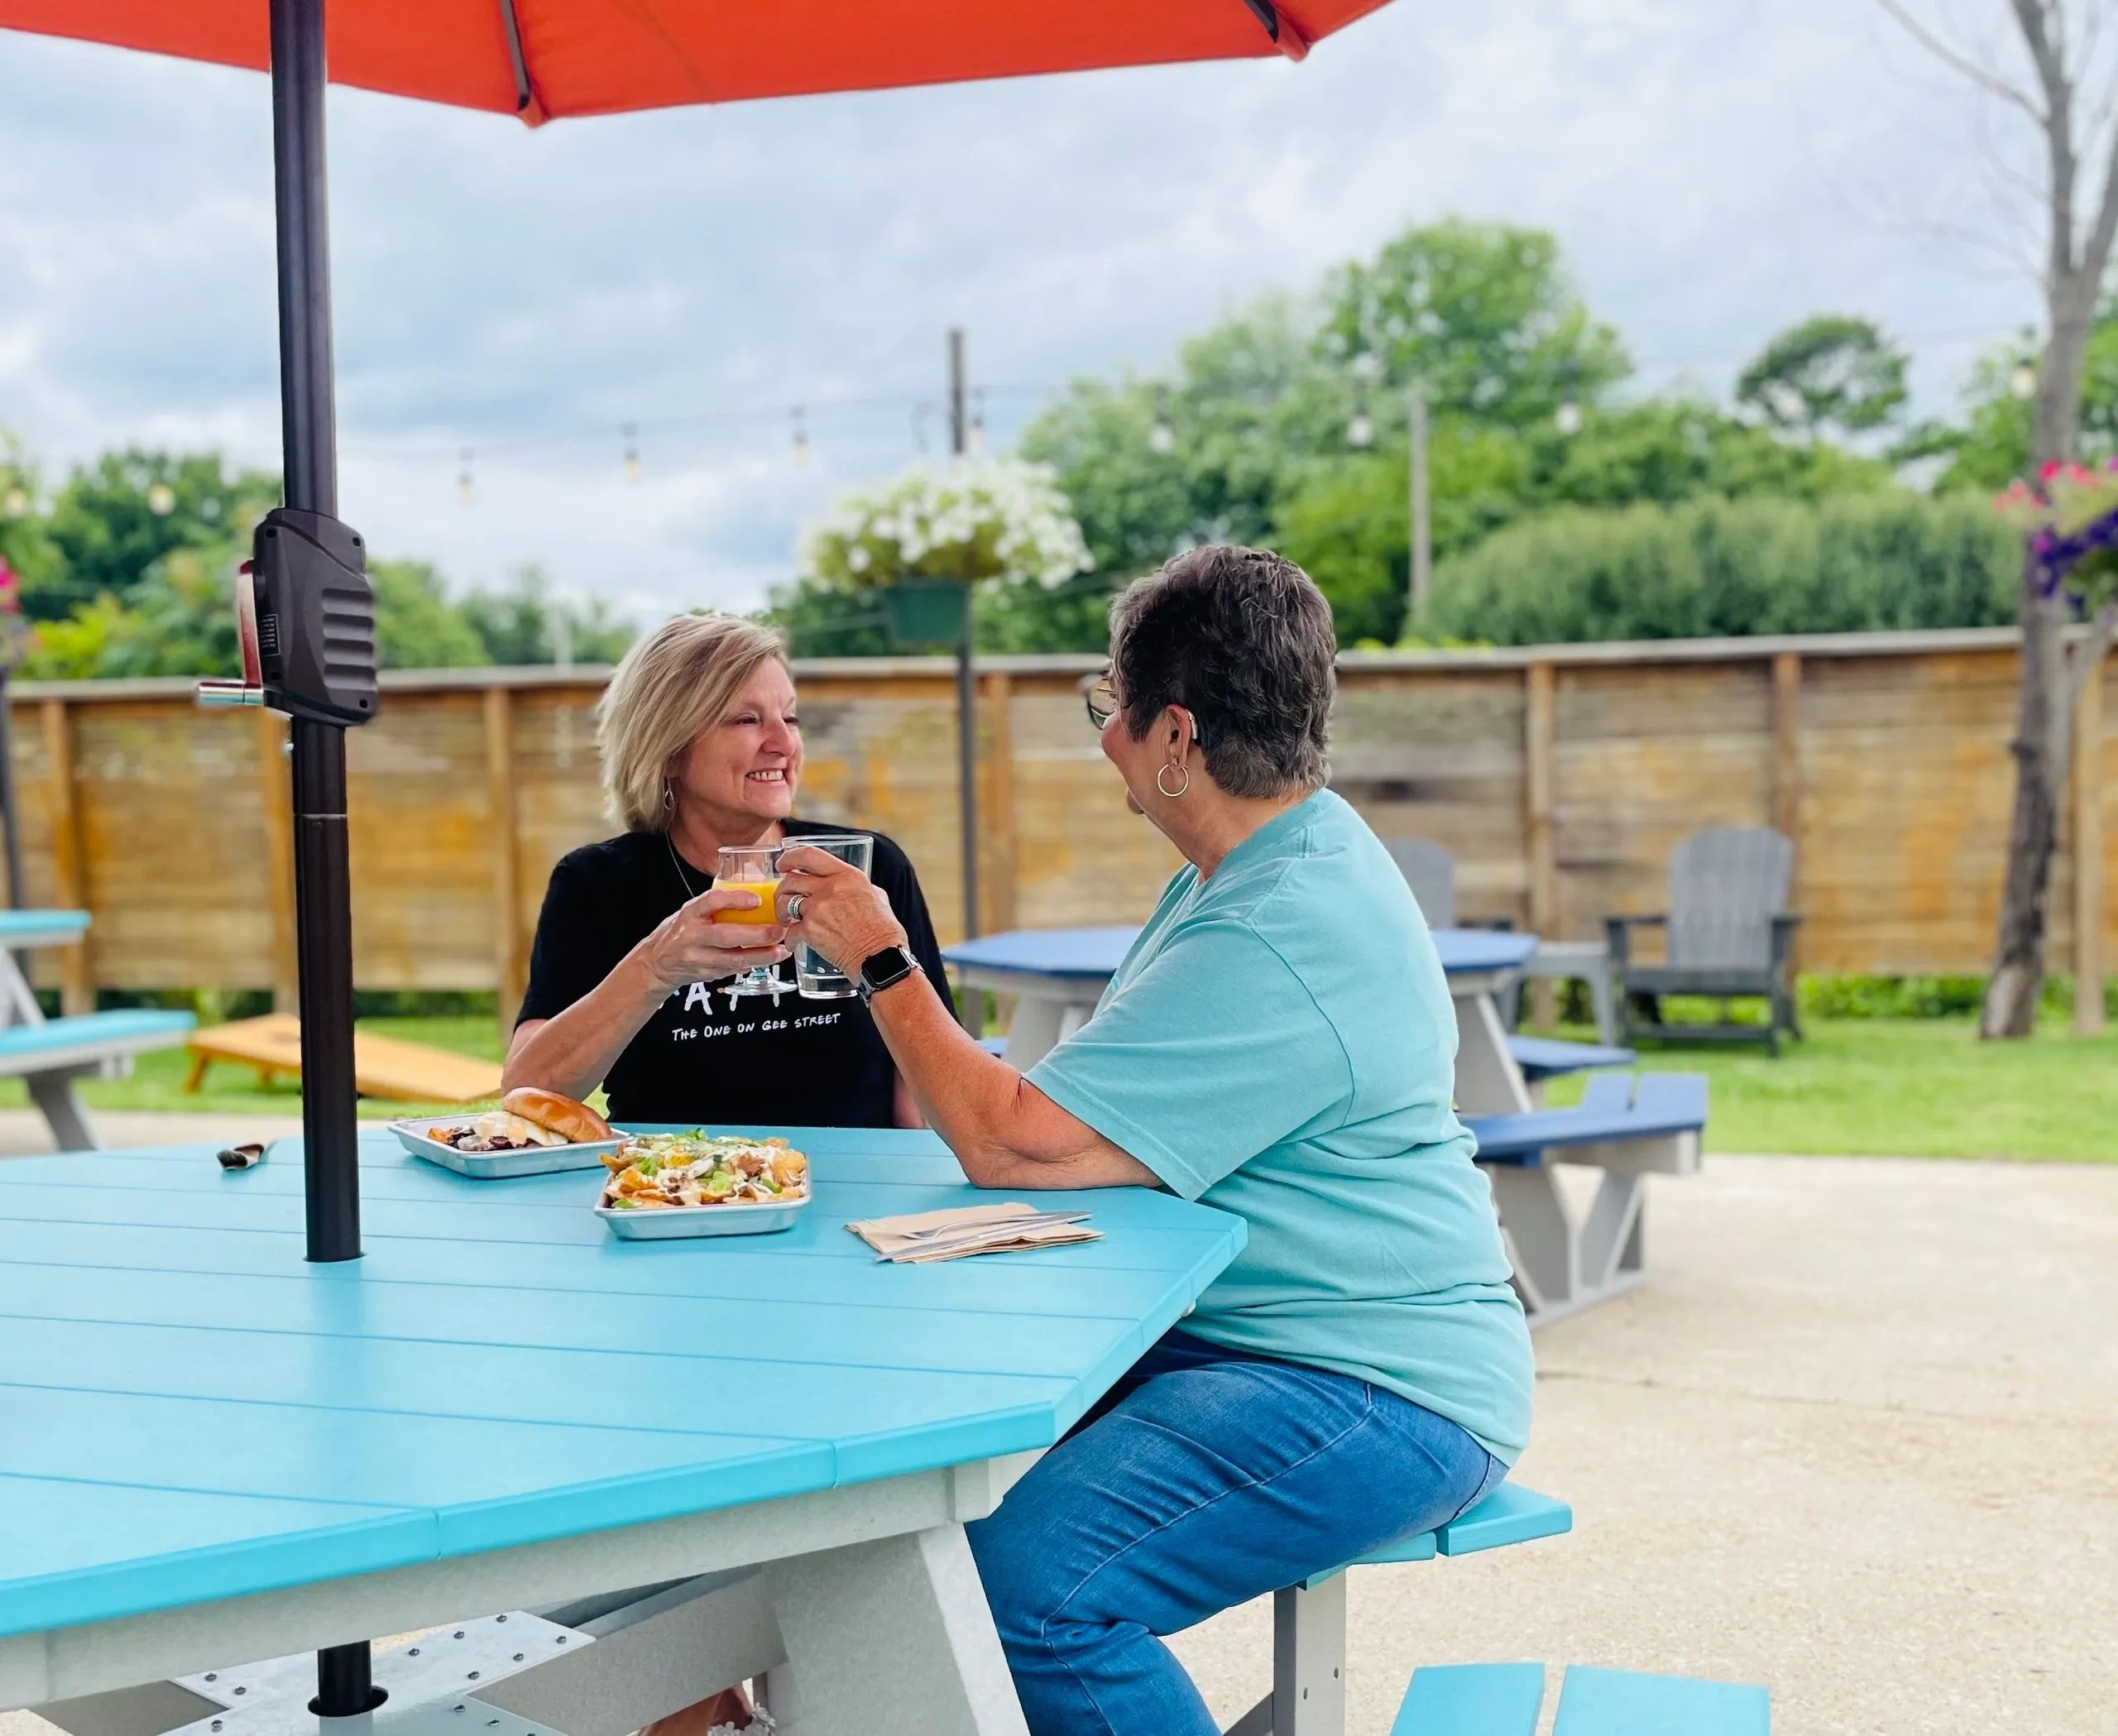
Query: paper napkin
pixel 923 1237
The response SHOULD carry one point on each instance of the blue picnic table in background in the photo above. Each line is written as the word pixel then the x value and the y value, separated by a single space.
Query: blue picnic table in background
pixel 50 1055
pixel 1057 975
pixel 191 1413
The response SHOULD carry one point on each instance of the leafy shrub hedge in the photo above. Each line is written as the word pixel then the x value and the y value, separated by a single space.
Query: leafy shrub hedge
pixel 1857 563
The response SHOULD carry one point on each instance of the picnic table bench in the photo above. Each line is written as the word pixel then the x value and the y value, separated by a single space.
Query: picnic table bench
pixel 1505 1699
pixel 51 1055
pixel 383 1067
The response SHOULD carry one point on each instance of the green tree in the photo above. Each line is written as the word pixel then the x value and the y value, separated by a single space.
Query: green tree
pixel 25 543
pixel 416 625
pixel 525 622
pixel 1988 447
pixel 113 521
pixel 1483 314
pixel 1244 443
pixel 1668 450
pixel 1831 370
pixel 1348 521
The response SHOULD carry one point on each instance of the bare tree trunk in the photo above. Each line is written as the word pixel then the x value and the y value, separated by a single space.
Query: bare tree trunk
pixel 2043 721
pixel 2018 978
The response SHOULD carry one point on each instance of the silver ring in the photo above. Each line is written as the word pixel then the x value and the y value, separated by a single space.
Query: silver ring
pixel 794 903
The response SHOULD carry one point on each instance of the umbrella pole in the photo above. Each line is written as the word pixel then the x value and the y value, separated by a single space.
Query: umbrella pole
pixel 322 898
pixel 322 892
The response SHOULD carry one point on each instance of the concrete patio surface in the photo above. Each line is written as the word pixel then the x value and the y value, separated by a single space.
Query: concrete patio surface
pixel 1857 1438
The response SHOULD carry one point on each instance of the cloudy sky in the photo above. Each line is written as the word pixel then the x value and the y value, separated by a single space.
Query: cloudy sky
pixel 1715 171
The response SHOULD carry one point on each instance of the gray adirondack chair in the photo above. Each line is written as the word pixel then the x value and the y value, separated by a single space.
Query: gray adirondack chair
pixel 1430 871
pixel 1730 936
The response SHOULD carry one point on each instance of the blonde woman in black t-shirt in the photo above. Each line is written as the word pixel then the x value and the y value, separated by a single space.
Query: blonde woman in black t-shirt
pixel 702 747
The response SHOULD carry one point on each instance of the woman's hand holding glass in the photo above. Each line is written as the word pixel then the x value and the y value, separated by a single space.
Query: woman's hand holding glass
pixel 691 947
pixel 837 909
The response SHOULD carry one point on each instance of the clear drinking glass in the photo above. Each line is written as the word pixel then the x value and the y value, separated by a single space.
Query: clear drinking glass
pixel 818 978
pixel 752 868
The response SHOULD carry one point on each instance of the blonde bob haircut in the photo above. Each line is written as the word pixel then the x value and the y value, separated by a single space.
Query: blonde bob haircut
pixel 672 684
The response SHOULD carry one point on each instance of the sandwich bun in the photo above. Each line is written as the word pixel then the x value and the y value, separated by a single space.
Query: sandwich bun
pixel 575 1123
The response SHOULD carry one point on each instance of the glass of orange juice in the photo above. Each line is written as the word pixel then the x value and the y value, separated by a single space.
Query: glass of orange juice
pixel 752 868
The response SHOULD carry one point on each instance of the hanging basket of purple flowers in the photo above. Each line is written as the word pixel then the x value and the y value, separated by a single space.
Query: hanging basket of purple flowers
pixel 2069 521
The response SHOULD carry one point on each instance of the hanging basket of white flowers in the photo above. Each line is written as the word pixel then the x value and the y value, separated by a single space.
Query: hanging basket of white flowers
pixel 925 538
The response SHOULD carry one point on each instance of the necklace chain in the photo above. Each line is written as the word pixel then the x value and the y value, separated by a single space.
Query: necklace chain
pixel 676 862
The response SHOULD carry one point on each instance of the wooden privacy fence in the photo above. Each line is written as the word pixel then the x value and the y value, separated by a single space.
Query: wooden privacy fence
pixel 1559 777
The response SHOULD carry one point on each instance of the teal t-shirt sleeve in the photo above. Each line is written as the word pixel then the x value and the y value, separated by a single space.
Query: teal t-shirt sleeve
pixel 1213 1052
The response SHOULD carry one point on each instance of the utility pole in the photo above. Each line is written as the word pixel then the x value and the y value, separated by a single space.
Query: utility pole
pixel 966 677
pixel 1422 530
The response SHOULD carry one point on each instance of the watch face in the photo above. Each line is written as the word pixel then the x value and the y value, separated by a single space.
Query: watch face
pixel 885 968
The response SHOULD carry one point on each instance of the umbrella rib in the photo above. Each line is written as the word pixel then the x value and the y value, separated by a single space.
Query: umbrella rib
pixel 525 95
pixel 1286 36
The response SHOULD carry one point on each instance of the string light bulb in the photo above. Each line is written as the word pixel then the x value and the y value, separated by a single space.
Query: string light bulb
pixel 1360 426
pixel 467 491
pixel 161 500
pixel 800 437
pixel 2023 381
pixel 1567 418
pixel 632 452
pixel 1162 438
pixel 16 502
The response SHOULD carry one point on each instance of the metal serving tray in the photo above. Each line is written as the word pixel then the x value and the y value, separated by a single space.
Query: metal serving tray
pixel 498 1165
pixel 671 1223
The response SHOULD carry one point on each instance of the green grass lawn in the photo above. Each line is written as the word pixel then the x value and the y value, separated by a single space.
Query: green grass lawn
pixel 1909 1088
pixel 1913 1087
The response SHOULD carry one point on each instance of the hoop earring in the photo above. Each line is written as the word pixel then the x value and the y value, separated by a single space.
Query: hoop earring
pixel 1184 771
pixel 669 799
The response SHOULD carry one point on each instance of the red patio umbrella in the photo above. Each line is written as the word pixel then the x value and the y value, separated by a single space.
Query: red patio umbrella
pixel 546 59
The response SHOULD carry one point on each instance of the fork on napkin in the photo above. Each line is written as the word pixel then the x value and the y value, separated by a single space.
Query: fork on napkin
pixel 921 1237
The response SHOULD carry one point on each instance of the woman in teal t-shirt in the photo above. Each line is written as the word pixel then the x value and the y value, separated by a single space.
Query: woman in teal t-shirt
pixel 1279 1044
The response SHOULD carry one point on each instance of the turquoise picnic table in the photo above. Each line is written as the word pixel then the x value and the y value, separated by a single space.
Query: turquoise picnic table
pixel 212 1451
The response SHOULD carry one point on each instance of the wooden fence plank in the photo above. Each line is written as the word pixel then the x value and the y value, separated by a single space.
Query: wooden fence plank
pixel 511 954
pixel 997 804
pixel 77 982
pixel 1540 731
pixel 276 798
pixel 1787 762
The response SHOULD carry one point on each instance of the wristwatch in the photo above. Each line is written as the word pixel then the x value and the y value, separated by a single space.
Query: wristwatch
pixel 881 969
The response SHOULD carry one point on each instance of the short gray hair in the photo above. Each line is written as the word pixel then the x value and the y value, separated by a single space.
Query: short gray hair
pixel 1243 639
pixel 672 684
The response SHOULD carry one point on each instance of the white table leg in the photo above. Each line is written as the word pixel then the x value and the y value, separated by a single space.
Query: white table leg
pixel 1034 1032
pixel 1309 1660
pixel 1488 1080
pixel 895 1634
pixel 1603 1001
pixel 63 1111
pixel 1540 1239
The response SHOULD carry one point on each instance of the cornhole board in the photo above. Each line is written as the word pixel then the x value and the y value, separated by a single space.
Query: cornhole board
pixel 383 1067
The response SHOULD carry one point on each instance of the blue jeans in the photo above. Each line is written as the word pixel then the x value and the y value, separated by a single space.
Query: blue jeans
pixel 1206 1477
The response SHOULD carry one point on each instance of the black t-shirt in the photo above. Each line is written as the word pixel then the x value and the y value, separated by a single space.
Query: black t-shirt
pixel 702 1057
